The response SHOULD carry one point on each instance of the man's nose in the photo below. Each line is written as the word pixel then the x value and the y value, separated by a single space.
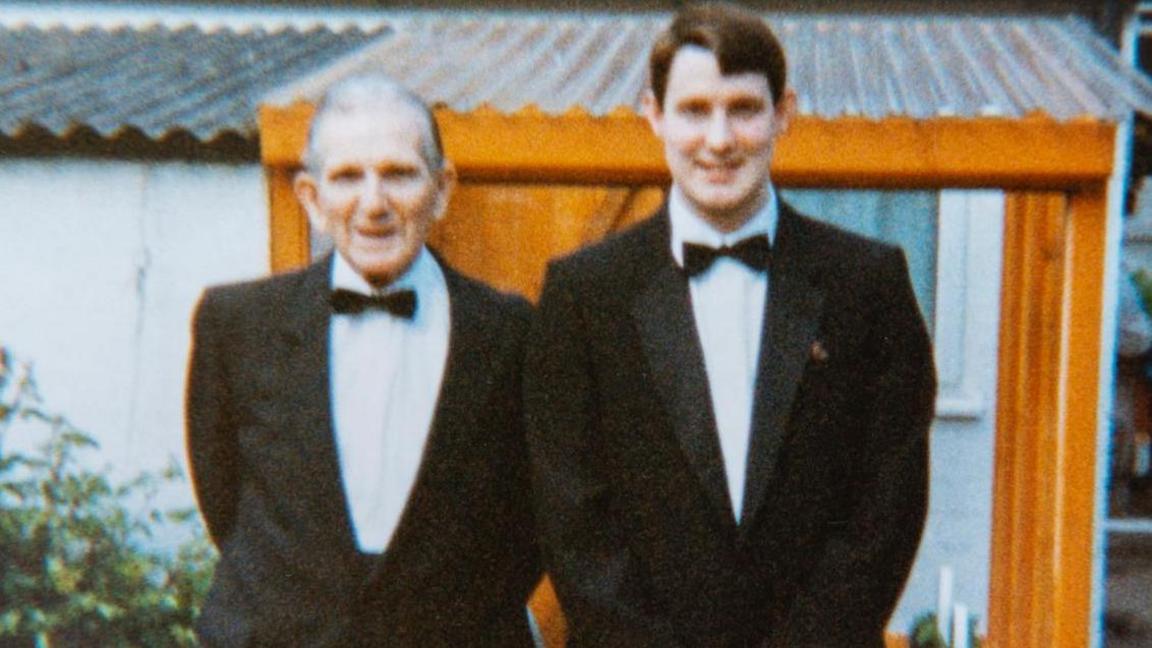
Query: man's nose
pixel 719 134
pixel 374 197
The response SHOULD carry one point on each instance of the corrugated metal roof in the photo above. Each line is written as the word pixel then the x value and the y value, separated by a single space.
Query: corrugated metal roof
pixel 160 80
pixel 156 80
pixel 872 66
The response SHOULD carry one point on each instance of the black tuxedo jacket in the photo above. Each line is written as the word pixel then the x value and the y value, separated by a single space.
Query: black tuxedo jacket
pixel 637 525
pixel 463 559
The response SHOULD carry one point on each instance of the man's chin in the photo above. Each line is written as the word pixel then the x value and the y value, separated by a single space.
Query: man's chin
pixel 720 193
pixel 382 271
pixel 720 205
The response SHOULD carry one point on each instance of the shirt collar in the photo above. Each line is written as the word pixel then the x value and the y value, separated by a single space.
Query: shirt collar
pixel 420 275
pixel 687 226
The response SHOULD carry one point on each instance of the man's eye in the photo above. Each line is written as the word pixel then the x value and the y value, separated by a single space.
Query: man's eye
pixel 747 109
pixel 694 110
pixel 399 173
pixel 346 175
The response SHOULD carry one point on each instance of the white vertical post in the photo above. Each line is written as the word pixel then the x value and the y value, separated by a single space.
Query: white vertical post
pixel 960 626
pixel 944 604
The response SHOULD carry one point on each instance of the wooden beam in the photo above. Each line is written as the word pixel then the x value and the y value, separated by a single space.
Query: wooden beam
pixel 576 148
pixel 1035 153
pixel 1043 512
pixel 1026 406
pixel 1075 458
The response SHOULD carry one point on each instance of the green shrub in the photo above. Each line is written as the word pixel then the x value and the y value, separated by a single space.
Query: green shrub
pixel 925 634
pixel 80 564
pixel 1143 280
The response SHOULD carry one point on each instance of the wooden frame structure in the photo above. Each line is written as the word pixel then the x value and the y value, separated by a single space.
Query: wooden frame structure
pixel 1055 175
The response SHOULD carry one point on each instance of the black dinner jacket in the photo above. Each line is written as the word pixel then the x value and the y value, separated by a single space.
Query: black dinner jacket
pixel 637 526
pixel 266 474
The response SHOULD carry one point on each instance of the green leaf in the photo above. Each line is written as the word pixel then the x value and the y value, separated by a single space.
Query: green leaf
pixel 74 437
pixel 182 516
pixel 10 622
pixel 108 612
pixel 61 576
pixel 13 460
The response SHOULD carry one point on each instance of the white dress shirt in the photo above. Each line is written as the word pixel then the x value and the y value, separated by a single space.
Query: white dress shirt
pixel 728 304
pixel 385 374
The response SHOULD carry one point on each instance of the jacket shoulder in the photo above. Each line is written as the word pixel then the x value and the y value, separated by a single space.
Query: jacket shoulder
pixel 265 294
pixel 483 299
pixel 839 240
pixel 630 253
pixel 836 253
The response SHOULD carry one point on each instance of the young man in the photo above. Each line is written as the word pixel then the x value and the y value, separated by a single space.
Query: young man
pixel 354 428
pixel 728 405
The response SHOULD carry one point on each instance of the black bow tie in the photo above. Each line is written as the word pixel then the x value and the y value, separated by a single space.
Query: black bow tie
pixel 754 252
pixel 401 303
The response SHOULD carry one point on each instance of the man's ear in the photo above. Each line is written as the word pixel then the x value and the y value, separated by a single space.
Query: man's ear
pixel 304 184
pixel 445 186
pixel 785 110
pixel 653 113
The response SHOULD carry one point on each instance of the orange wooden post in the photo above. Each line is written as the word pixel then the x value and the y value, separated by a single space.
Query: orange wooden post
pixel 290 239
pixel 1047 414
pixel 1026 403
pixel 1076 454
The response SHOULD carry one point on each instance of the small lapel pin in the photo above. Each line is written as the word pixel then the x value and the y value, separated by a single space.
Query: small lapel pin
pixel 818 352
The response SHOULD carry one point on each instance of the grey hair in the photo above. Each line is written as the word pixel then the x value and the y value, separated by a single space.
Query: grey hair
pixel 370 92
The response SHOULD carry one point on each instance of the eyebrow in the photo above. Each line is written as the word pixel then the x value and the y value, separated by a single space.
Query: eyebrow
pixel 343 169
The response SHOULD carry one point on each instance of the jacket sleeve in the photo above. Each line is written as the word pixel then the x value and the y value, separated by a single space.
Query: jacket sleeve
pixel 596 578
pixel 515 569
pixel 865 563
pixel 211 439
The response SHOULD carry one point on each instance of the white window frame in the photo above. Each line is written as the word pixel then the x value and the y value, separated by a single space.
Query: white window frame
pixel 969 244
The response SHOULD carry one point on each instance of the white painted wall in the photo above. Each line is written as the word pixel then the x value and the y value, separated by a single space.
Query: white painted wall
pixel 101 263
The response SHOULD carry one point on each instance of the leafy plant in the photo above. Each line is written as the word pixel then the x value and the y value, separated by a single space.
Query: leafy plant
pixel 80 567
pixel 1143 280
pixel 925 634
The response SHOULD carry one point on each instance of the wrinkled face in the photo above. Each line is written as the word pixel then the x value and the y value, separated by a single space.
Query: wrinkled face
pixel 719 132
pixel 372 191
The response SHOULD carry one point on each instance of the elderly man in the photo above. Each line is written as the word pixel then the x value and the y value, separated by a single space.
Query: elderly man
pixel 354 428
pixel 728 405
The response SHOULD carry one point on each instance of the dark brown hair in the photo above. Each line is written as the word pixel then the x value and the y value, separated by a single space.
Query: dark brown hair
pixel 741 41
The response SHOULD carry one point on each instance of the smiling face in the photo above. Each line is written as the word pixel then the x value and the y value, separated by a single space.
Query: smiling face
pixel 719 132
pixel 371 188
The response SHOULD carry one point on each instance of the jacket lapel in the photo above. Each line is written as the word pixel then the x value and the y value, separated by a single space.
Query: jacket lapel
pixel 663 314
pixel 792 318
pixel 305 330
